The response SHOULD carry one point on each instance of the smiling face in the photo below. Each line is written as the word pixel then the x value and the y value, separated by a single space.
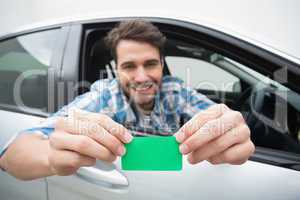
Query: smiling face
pixel 139 71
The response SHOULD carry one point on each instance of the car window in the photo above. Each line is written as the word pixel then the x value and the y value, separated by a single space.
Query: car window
pixel 271 110
pixel 222 79
pixel 201 74
pixel 24 62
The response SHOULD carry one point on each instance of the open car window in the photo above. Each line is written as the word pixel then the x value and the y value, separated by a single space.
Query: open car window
pixel 224 80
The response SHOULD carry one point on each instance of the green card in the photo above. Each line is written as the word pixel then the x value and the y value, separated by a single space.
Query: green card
pixel 159 153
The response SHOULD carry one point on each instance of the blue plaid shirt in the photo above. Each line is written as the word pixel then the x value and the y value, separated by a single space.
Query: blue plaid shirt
pixel 174 105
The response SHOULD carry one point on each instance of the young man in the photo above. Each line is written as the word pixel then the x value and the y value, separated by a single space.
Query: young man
pixel 96 124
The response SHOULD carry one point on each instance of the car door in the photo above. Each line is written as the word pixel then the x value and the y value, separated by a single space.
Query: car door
pixel 29 63
pixel 271 173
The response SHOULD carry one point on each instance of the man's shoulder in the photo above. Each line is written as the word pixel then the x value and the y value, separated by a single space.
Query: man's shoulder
pixel 172 84
pixel 104 85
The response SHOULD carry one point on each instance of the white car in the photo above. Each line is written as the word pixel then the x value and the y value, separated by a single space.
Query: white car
pixel 58 61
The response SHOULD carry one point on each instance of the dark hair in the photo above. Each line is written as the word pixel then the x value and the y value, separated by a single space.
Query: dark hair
pixel 137 30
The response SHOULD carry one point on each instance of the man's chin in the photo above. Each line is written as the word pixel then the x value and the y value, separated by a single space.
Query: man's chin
pixel 144 102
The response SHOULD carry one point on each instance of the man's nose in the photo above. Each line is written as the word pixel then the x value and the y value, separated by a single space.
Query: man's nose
pixel 141 75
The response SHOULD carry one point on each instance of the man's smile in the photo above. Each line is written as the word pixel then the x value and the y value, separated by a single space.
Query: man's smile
pixel 142 88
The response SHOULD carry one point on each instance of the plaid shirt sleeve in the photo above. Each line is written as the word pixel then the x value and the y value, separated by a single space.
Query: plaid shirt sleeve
pixel 47 127
pixel 187 101
pixel 194 102
pixel 96 100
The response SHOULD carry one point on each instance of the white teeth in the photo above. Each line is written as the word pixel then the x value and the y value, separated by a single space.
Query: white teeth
pixel 143 88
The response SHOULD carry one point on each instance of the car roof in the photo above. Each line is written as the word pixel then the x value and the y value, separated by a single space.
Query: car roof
pixel 252 21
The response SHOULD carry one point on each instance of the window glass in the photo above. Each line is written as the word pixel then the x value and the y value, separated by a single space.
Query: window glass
pixel 200 74
pixel 24 62
pixel 271 110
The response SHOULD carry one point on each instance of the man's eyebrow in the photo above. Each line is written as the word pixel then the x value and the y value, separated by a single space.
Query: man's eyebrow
pixel 127 62
pixel 152 60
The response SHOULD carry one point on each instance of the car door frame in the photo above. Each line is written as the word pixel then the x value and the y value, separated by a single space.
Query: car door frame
pixel 54 74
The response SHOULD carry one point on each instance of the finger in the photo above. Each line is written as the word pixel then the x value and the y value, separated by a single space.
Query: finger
pixel 64 162
pixel 236 155
pixel 230 138
pixel 95 131
pixel 82 144
pixel 106 122
pixel 199 120
pixel 211 130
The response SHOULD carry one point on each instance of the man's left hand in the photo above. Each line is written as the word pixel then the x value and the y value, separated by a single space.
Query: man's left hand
pixel 218 135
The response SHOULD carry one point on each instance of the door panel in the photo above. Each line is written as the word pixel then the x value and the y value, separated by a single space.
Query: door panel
pixel 11 188
pixel 252 180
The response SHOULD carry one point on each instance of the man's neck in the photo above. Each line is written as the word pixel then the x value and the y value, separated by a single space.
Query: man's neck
pixel 145 109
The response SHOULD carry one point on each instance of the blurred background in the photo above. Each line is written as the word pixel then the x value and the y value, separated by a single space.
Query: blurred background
pixel 257 19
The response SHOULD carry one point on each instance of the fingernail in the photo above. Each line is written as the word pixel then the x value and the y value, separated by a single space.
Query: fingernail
pixel 128 137
pixel 121 150
pixel 179 136
pixel 183 148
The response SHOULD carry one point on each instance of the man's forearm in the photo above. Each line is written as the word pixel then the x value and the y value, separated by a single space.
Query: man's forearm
pixel 27 157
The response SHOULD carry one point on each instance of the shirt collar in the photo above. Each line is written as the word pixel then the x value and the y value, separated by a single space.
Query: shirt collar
pixel 130 113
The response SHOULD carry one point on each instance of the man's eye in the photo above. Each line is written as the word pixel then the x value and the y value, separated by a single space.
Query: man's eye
pixel 128 66
pixel 151 64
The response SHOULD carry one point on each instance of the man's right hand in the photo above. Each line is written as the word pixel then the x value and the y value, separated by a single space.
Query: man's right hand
pixel 82 139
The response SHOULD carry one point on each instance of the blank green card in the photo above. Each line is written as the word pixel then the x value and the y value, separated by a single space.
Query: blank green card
pixel 152 153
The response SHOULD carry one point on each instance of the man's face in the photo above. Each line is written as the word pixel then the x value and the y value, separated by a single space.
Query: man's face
pixel 139 69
